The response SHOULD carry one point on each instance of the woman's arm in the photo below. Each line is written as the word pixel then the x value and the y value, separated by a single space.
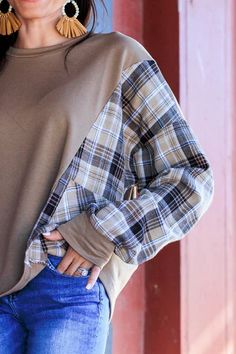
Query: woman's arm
pixel 172 172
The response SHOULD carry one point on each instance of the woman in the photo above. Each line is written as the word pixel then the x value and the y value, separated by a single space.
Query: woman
pixel 84 118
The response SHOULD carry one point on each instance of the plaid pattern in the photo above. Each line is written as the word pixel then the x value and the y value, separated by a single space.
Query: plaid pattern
pixel 140 137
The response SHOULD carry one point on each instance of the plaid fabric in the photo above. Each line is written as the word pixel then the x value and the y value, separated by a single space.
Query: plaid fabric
pixel 140 137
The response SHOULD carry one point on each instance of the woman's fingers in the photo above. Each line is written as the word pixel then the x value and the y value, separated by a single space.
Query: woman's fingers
pixel 72 260
pixel 93 277
pixel 65 264
pixel 86 264
pixel 71 270
pixel 53 235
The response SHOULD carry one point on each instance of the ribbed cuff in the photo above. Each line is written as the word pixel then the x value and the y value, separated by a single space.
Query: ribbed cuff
pixel 86 240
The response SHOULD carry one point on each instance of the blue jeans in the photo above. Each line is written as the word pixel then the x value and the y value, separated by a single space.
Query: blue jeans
pixel 55 314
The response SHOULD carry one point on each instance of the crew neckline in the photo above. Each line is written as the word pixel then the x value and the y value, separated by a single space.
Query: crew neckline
pixel 30 52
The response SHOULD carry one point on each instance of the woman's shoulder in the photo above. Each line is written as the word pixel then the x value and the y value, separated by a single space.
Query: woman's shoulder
pixel 117 38
pixel 121 45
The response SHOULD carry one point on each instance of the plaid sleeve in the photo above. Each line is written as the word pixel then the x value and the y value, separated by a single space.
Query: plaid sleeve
pixel 173 174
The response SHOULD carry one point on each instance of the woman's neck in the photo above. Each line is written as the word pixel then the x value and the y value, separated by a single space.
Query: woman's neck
pixel 39 32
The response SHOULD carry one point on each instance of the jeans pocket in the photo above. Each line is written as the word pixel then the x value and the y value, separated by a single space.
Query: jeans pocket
pixel 52 263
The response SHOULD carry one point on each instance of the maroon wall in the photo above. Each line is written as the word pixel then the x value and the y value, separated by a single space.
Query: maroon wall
pixel 162 274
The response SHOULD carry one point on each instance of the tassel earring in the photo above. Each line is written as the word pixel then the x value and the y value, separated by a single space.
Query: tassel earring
pixel 70 26
pixel 9 23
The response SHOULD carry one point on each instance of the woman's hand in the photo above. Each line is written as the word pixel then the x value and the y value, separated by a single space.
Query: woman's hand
pixel 72 260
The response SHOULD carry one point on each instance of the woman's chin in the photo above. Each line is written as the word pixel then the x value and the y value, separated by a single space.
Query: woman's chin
pixel 31 8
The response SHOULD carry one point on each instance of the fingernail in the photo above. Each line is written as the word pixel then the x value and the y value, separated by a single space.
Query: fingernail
pixel 89 286
pixel 46 233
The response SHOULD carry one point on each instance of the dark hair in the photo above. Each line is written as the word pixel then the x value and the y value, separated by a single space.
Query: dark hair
pixel 87 11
